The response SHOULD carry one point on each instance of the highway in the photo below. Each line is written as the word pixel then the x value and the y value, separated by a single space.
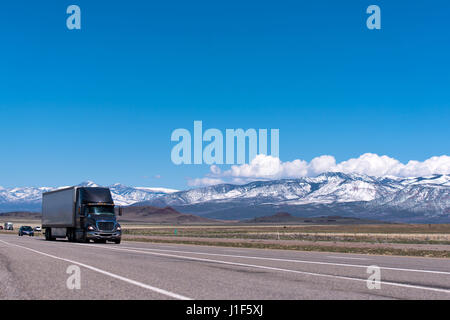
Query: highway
pixel 32 268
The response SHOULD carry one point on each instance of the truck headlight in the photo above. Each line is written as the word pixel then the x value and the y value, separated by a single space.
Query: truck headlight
pixel 90 228
pixel 118 228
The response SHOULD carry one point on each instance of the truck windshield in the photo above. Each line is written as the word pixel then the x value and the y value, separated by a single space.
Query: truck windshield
pixel 98 210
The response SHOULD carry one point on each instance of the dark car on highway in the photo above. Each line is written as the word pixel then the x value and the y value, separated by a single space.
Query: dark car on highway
pixel 26 230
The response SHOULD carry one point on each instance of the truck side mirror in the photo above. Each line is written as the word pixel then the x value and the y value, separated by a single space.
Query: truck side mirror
pixel 120 211
pixel 81 210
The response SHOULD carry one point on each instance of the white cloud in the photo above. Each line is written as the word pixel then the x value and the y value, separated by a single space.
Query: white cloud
pixel 197 182
pixel 375 165
pixel 268 167
pixel 215 169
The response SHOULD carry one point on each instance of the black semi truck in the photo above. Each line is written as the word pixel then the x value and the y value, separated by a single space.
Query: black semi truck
pixel 81 214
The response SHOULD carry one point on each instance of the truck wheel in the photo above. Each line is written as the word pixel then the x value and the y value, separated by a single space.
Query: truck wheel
pixel 84 239
pixel 71 235
pixel 117 241
pixel 48 235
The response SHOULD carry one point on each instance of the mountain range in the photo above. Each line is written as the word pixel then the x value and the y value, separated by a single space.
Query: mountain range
pixel 418 199
pixel 29 198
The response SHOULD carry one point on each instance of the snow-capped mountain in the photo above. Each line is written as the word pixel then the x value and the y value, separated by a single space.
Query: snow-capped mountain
pixel 124 195
pixel 390 198
pixel 29 198
pixel 329 187
pixel 419 199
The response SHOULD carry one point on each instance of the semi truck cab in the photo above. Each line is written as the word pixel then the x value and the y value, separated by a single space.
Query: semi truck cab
pixel 100 222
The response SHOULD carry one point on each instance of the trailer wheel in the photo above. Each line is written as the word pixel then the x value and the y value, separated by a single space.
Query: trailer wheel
pixel 48 235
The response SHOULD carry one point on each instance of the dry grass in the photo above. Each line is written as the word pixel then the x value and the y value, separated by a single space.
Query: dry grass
pixel 395 233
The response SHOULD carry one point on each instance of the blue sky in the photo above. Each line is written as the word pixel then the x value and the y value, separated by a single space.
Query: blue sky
pixel 100 103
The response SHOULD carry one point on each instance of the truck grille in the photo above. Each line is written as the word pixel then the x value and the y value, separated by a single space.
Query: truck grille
pixel 105 226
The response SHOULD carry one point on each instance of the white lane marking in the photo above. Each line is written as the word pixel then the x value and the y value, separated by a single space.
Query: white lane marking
pixel 170 247
pixel 288 260
pixel 139 284
pixel 336 257
pixel 272 268
pixel 292 260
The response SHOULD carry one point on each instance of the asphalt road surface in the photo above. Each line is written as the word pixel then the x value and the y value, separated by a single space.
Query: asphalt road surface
pixel 32 268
